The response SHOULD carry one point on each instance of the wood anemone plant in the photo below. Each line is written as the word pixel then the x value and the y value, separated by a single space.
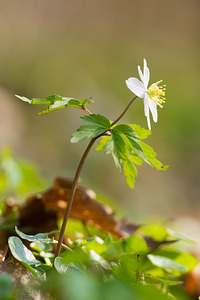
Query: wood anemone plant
pixel 122 141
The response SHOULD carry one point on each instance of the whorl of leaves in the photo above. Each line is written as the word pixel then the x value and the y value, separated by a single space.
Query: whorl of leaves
pixel 123 142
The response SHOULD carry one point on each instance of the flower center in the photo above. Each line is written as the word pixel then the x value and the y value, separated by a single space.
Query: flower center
pixel 157 93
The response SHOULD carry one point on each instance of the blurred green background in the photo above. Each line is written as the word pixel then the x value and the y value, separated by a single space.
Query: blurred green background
pixel 89 48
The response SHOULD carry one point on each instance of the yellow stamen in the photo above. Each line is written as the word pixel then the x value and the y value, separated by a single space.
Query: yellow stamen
pixel 157 93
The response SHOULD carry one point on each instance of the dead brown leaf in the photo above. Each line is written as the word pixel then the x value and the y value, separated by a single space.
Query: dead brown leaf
pixel 43 210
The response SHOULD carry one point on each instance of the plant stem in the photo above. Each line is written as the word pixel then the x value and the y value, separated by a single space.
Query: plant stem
pixel 87 110
pixel 123 113
pixel 76 178
pixel 71 197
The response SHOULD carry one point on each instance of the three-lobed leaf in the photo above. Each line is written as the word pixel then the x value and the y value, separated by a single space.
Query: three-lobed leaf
pixel 87 132
pixel 122 144
pixel 98 124
pixel 127 149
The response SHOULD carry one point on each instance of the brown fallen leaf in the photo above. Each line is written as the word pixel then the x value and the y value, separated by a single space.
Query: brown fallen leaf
pixel 43 210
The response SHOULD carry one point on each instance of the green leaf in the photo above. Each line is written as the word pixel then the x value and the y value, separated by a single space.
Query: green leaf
pixel 84 102
pixel 153 279
pixel 59 104
pixel 40 101
pixel 21 252
pixel 166 263
pixel 74 103
pixel 98 125
pixel 62 267
pixel 96 244
pixel 98 259
pixel 157 164
pixel 130 134
pixel 167 252
pixel 79 103
pixel 110 145
pixel 181 236
pixel 136 159
pixel 37 271
pixel 135 144
pixel 53 98
pixel 97 119
pixel 142 150
pixel 24 99
pixel 157 233
pixel 143 156
pixel 150 292
pixel 103 142
pixel 187 260
pixel 127 268
pixel 118 162
pixel 87 131
pixel 150 155
pixel 39 247
pixel 77 255
pixel 142 133
pixel 127 130
pixel 117 145
pixel 131 181
pixel 120 146
pixel 40 237
pixel 135 244
pixel 56 102
pixel 46 254
pixel 130 172
pixel 34 270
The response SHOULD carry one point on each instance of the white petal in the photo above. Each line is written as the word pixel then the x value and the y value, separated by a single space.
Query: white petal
pixel 140 73
pixel 146 110
pixel 146 74
pixel 153 109
pixel 136 86
pixel 146 105
pixel 148 122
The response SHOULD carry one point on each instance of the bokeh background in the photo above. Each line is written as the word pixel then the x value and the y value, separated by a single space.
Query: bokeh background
pixel 88 49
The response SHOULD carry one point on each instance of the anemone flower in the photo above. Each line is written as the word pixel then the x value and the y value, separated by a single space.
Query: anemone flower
pixel 152 96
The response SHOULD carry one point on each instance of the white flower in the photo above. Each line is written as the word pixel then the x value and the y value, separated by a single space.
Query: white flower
pixel 152 96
